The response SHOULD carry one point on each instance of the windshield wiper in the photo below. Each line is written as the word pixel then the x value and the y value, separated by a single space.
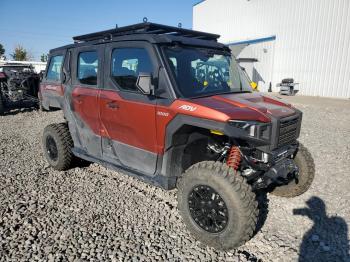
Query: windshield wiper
pixel 204 95
pixel 242 91
pixel 222 93
pixel 235 92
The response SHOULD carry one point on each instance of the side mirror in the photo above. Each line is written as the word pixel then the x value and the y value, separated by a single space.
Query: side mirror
pixel 144 84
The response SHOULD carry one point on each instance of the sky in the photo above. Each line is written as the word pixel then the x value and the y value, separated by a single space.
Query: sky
pixel 43 24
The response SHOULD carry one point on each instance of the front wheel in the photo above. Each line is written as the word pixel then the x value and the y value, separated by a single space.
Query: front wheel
pixel 217 205
pixel 302 183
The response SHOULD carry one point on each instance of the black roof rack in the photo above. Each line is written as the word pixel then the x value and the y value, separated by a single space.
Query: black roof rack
pixel 146 28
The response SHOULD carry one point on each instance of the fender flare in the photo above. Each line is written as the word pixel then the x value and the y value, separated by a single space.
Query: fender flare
pixel 172 155
pixel 181 120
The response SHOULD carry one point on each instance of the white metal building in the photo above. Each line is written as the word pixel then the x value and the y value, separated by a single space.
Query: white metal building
pixel 308 40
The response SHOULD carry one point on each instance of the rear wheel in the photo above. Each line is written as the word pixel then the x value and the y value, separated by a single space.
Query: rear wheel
pixel 217 205
pixel 57 145
pixel 306 165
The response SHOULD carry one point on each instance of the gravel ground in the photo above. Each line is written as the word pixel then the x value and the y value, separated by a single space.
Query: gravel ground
pixel 92 213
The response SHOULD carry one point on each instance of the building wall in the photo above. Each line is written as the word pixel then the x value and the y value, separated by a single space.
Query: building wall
pixel 260 72
pixel 312 38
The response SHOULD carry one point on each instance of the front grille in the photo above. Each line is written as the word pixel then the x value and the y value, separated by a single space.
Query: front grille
pixel 288 131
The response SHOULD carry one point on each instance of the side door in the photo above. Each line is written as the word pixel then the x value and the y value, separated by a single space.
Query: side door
pixel 51 89
pixel 82 98
pixel 128 117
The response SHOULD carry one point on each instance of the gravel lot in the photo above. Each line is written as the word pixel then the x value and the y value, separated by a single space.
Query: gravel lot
pixel 92 213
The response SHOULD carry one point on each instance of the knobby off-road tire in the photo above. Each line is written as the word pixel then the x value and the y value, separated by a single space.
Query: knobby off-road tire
pixel 239 201
pixel 305 162
pixel 263 210
pixel 57 146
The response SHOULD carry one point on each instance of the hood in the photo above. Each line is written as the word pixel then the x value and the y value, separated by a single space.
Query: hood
pixel 247 106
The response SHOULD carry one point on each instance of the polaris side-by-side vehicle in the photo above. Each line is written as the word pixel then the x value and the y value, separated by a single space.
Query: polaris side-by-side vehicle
pixel 172 107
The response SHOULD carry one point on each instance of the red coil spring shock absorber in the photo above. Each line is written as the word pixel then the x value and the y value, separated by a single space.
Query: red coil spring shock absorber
pixel 234 157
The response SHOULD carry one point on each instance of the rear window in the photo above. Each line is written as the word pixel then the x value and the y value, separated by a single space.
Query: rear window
pixel 54 70
pixel 87 68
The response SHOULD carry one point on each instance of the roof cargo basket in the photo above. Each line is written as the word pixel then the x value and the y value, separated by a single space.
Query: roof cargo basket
pixel 146 28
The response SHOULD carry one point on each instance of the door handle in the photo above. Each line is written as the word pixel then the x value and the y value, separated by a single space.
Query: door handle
pixel 112 105
pixel 78 99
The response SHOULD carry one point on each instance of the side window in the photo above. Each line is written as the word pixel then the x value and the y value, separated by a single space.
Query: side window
pixel 54 70
pixel 127 64
pixel 87 67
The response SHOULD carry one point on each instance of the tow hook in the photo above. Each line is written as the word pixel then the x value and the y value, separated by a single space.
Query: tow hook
pixel 280 174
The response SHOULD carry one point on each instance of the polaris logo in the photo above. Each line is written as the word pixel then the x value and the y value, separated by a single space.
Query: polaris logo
pixel 188 108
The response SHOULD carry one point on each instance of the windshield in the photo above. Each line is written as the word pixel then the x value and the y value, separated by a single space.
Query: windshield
pixel 202 72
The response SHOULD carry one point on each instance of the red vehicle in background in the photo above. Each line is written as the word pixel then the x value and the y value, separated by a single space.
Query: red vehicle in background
pixel 172 107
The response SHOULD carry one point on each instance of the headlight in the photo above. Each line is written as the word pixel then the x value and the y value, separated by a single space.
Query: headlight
pixel 252 128
pixel 248 126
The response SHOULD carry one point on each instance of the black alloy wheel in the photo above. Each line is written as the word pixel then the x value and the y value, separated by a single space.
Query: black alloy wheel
pixel 208 209
pixel 51 148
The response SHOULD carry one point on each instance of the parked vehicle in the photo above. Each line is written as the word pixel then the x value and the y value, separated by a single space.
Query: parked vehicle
pixel 172 107
pixel 18 83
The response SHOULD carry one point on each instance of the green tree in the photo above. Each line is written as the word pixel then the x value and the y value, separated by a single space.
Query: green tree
pixel 43 58
pixel 20 54
pixel 2 50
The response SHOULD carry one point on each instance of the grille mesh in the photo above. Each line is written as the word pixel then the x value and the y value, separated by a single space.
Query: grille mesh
pixel 288 131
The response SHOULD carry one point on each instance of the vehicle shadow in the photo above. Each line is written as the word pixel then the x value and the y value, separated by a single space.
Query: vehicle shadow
pixel 327 239
pixel 22 107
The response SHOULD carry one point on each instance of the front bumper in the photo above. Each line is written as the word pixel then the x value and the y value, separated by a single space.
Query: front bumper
pixel 270 161
pixel 276 167
pixel 279 174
